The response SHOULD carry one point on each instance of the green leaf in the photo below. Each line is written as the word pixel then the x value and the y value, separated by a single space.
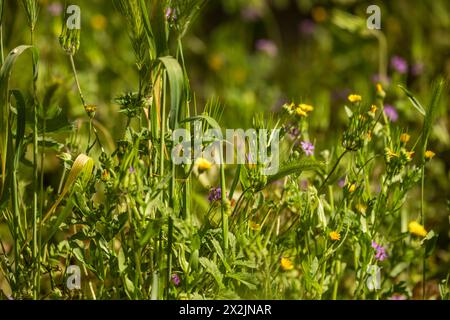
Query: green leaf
pixel 430 242
pixel 156 26
pixel 348 111
pixel 211 121
pixel 152 229
pixel 5 75
pixel 129 287
pixel 50 143
pixel 416 104
pixel 20 105
pixel 235 181
pixel 244 278
pixel 431 112
pixel 220 253
pixel 121 261
pixel 211 268
pixel 176 81
pixel 60 219
pixel 295 168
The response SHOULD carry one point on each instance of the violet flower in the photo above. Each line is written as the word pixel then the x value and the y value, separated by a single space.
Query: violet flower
pixel 380 253
pixel 267 46
pixel 308 148
pixel 170 14
pixel 215 194
pixel 391 113
pixel 251 13
pixel 398 297
pixel 176 279
pixel 417 68
pixel 55 9
pixel 307 27
pixel 399 64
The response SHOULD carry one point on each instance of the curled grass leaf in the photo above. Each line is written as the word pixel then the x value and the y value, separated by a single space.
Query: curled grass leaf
pixel 82 167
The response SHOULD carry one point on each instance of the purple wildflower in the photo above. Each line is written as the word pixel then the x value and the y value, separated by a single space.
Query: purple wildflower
pixel 215 194
pixel 399 64
pixel 308 147
pixel 267 46
pixel 376 78
pixel 294 132
pixel 131 170
pixel 55 9
pixel 398 297
pixel 251 13
pixel 391 113
pixel 417 68
pixel 307 27
pixel 341 182
pixel 176 280
pixel 380 253
pixel 171 14
pixel 304 184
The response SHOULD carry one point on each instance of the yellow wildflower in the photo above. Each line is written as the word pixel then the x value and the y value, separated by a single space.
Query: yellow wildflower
pixel 379 88
pixel 90 108
pixel 289 107
pixel 306 107
pixel 335 236
pixel 369 135
pixel 354 98
pixel 373 108
pixel 409 154
pixel 417 229
pixel 105 175
pixel 391 154
pixel 286 264
pixel 319 14
pixel 361 207
pixel 429 154
pixel 98 22
pixel 404 137
pixel 216 62
pixel 351 188
pixel 380 91
pixel 254 226
pixel 203 165
pixel 300 112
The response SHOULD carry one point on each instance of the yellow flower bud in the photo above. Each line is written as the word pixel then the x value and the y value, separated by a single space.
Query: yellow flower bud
pixel 335 236
pixel 429 154
pixel 417 229
pixel 353 98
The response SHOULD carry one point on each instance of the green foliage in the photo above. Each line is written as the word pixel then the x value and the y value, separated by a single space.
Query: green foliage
pixel 94 184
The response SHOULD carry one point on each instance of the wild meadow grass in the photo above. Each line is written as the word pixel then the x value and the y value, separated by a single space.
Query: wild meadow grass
pixel 332 223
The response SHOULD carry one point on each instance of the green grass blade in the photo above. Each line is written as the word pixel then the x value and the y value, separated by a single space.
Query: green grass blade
pixel 295 168
pixel 176 82
pixel 5 75
pixel 416 104
pixel 431 112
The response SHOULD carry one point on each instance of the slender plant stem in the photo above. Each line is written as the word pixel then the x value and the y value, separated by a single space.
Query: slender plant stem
pixel 36 262
pixel 75 74
pixel 2 56
pixel 224 206
pixel 422 221
pixel 333 169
